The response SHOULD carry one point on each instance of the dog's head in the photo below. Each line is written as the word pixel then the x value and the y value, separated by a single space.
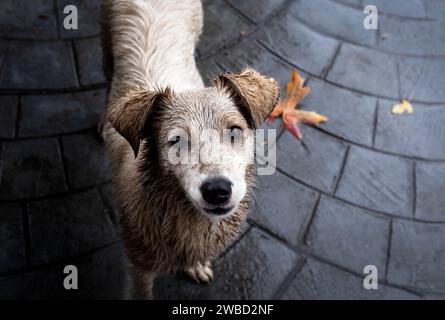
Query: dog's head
pixel 203 139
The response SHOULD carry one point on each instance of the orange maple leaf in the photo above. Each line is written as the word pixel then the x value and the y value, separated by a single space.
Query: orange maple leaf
pixel 287 109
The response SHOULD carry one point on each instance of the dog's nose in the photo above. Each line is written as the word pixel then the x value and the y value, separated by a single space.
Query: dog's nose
pixel 216 191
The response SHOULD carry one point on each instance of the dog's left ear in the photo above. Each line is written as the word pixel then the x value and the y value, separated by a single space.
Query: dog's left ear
pixel 255 94
pixel 129 113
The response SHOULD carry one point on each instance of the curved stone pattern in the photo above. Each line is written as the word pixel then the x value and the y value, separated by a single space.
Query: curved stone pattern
pixel 77 223
pixel 253 268
pixel 317 14
pixel 320 166
pixel 8 116
pixel 22 19
pixel 348 236
pixel 226 26
pixel 351 115
pixel 31 169
pixel 318 280
pixel 419 135
pixel 26 61
pixel 417 253
pixel 296 43
pixel 293 205
pixel 60 113
pixel 377 181
pixel 430 186
pixel 368 188
pixel 12 238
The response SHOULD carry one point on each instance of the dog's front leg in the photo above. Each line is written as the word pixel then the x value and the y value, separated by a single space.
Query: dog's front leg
pixel 140 283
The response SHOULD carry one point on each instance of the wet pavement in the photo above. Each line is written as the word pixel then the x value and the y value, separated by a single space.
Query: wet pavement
pixel 370 191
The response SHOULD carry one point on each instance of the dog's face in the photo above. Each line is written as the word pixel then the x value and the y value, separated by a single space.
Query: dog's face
pixel 204 138
pixel 205 142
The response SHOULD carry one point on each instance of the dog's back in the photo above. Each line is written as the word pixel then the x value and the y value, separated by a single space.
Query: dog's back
pixel 144 34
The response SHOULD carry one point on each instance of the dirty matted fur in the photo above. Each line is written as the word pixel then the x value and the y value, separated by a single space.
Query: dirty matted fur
pixel 155 87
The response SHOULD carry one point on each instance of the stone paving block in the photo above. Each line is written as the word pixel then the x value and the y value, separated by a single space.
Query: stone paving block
pixel 244 229
pixel 347 24
pixel 252 269
pixel 3 51
pixel 68 226
pixel 85 159
pixel 12 241
pixel 251 53
pixel 34 19
pixel 88 15
pixel 419 37
pixel 47 283
pixel 27 61
pixel 89 59
pixel 422 79
pixel 351 115
pixel 8 115
pixel 31 168
pixel 366 240
pixel 409 9
pixel 366 70
pixel 64 113
pixel 355 3
pixel 417 255
pixel 110 199
pixel 221 25
pixel 434 296
pixel 430 187
pixel 435 9
pixel 320 167
pixel 283 206
pixel 378 181
pixel 297 43
pixel 101 276
pixel 257 10
pixel 420 134
pixel 318 280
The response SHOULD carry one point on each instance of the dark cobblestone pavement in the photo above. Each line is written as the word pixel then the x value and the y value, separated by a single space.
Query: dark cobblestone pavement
pixel 371 190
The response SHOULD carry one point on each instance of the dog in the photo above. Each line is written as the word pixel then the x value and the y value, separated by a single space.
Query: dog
pixel 176 216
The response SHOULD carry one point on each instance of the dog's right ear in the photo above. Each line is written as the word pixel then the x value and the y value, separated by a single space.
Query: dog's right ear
pixel 129 113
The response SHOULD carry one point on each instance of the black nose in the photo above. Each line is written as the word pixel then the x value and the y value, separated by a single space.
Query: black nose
pixel 216 191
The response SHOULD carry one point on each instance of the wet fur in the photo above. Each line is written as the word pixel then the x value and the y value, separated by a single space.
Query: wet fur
pixel 161 229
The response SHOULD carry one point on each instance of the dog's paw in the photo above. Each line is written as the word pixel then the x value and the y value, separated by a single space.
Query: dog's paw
pixel 200 273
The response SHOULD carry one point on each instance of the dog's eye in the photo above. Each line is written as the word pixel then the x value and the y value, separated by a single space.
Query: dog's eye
pixel 174 140
pixel 235 132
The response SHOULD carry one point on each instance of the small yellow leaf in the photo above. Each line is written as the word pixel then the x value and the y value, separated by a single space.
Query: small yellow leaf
pixel 403 107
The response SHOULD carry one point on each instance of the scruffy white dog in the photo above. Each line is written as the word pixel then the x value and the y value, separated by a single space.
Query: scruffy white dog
pixel 176 215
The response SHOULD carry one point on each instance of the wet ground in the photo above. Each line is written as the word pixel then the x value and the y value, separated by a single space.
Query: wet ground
pixel 370 190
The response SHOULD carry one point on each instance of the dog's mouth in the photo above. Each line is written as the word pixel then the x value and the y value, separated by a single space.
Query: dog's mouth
pixel 218 210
